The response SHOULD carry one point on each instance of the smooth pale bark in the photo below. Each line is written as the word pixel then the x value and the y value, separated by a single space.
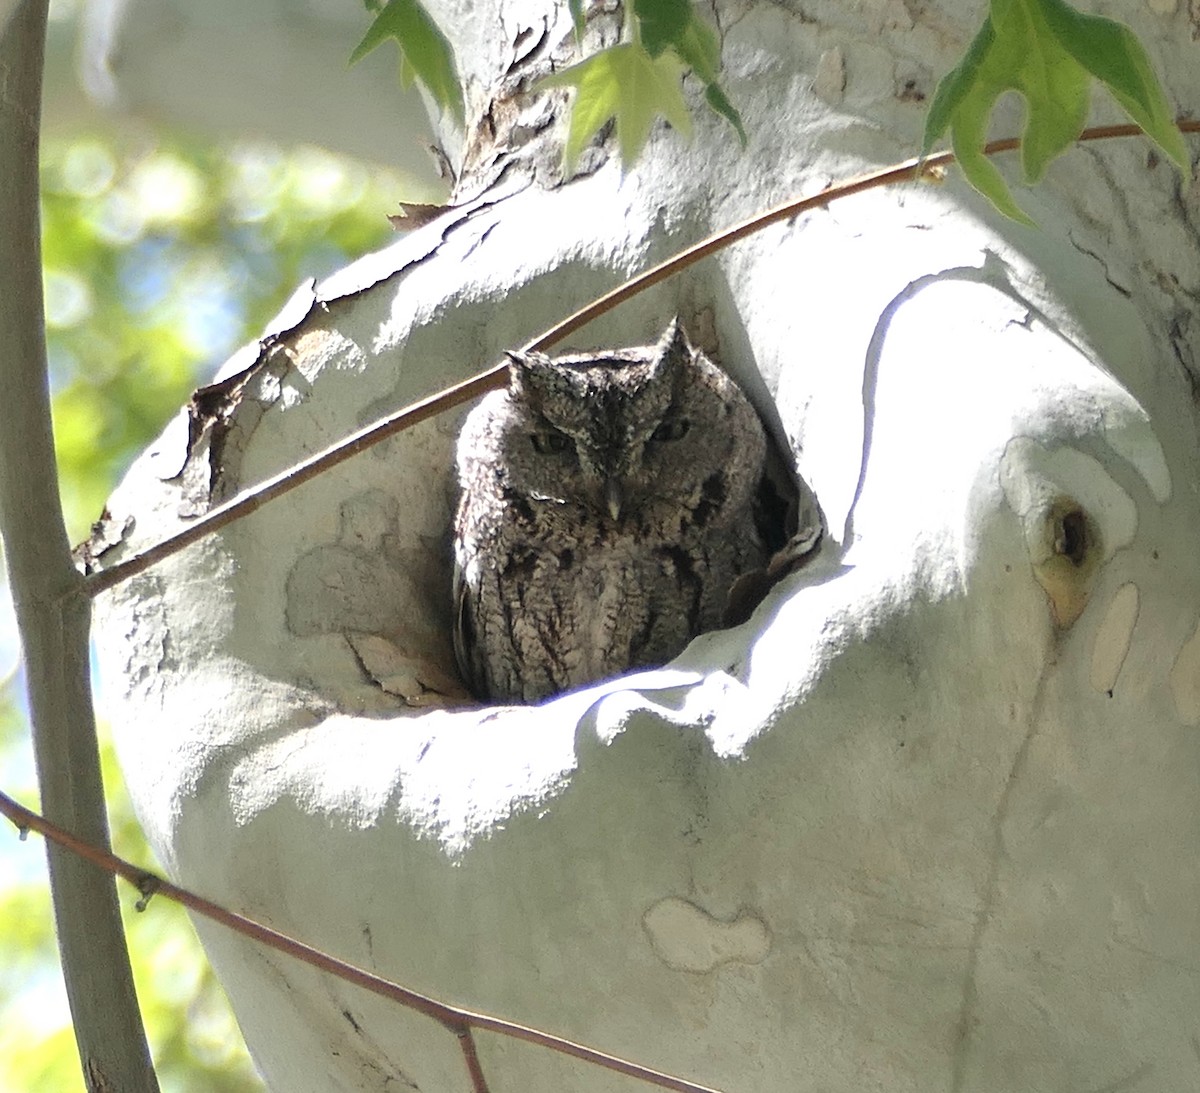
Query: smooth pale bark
pixel 52 611
pixel 924 823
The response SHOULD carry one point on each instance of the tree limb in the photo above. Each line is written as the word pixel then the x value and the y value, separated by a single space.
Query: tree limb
pixel 53 613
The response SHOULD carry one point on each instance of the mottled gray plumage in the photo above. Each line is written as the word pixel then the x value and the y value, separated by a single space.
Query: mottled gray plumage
pixel 608 504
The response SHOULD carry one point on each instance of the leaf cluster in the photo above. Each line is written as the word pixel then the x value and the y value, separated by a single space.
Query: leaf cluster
pixel 1045 50
pixel 632 83
pixel 1049 53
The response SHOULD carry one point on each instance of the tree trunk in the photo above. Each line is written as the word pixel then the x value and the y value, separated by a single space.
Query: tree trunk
pixel 924 822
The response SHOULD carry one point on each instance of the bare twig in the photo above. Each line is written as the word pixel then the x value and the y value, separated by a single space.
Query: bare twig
pixel 52 613
pixel 459 1021
pixel 254 498
pixel 478 1082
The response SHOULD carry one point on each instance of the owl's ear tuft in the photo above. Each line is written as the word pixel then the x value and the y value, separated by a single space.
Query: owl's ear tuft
pixel 516 367
pixel 527 376
pixel 672 356
pixel 673 347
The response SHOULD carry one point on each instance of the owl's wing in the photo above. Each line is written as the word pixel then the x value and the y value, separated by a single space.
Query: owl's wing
pixel 467 651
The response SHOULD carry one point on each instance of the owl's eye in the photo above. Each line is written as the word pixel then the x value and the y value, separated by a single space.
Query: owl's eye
pixel 674 428
pixel 551 443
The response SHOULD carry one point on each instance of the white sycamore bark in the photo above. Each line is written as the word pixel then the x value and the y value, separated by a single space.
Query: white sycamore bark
pixel 926 822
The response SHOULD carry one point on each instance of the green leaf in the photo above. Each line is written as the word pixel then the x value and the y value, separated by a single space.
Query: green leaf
pixel 661 23
pixel 700 50
pixel 636 81
pixel 698 47
pixel 1111 52
pixel 967 134
pixel 1047 52
pixel 1015 51
pixel 627 84
pixel 577 18
pixel 424 52
pixel 1028 58
pixel 717 99
pixel 955 87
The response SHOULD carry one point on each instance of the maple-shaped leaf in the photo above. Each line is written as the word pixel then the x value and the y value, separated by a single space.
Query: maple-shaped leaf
pixel 1111 52
pixel 661 23
pixel 1048 52
pixel 626 84
pixel 425 54
pixel 674 24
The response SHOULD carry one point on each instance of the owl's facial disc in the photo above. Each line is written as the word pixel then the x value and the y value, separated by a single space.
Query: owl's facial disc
pixel 583 472
pixel 609 435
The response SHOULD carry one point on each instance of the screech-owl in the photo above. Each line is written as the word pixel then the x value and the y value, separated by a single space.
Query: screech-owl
pixel 608 505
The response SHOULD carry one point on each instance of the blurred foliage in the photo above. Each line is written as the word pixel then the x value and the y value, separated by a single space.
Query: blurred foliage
pixel 160 259
pixel 197 1046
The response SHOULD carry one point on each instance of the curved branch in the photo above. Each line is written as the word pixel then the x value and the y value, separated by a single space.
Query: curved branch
pixel 459 1021
pixel 253 499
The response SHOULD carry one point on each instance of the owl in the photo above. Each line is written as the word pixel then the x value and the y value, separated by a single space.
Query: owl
pixel 607 507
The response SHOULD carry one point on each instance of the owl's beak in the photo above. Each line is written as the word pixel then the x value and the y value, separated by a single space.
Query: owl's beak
pixel 613 497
